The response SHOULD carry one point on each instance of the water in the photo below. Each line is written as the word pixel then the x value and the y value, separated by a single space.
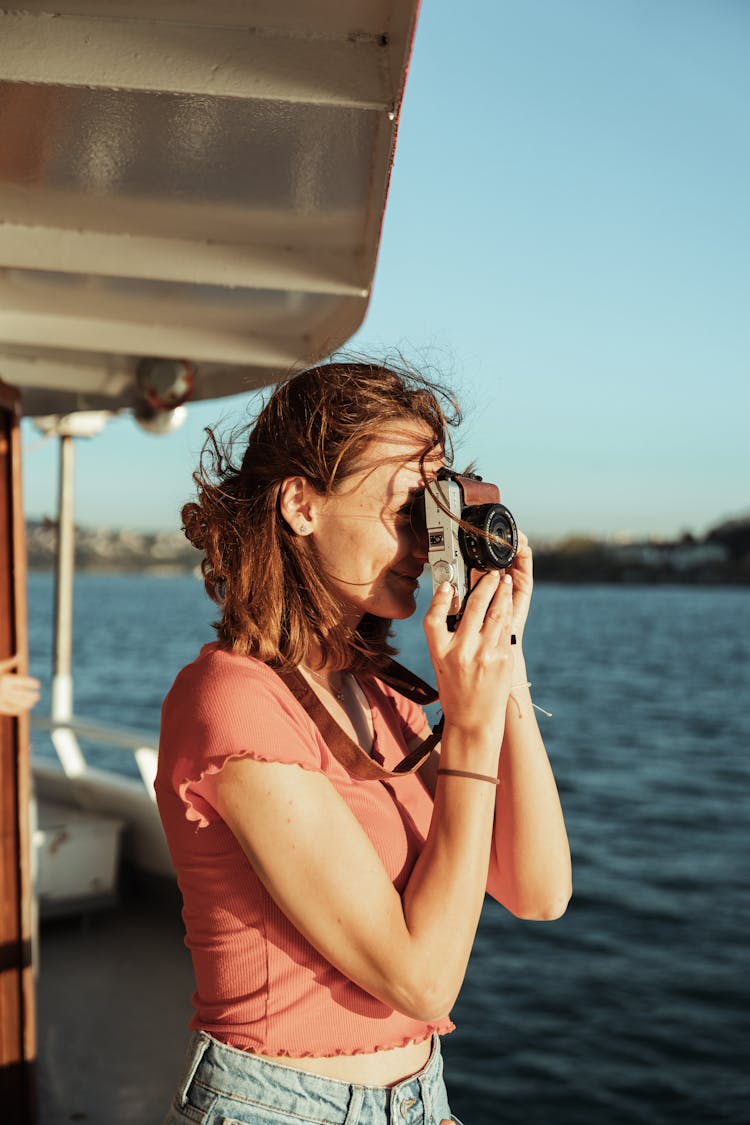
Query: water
pixel 634 1006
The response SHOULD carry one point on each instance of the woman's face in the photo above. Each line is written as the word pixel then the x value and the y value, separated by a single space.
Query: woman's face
pixel 363 533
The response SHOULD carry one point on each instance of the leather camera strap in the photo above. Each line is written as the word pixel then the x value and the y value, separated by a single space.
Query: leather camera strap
pixel 348 752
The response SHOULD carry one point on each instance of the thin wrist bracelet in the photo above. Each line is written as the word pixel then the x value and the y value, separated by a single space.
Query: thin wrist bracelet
pixel 527 683
pixel 468 773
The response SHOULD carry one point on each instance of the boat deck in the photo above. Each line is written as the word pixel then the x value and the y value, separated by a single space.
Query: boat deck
pixel 113 1002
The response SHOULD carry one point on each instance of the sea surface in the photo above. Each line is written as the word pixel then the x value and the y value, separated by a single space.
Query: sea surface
pixel 633 1007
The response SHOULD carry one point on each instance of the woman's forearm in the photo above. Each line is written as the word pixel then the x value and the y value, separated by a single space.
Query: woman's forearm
pixel 515 829
pixel 530 870
pixel 443 898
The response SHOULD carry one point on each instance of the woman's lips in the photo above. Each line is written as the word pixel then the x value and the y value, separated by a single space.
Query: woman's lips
pixel 412 579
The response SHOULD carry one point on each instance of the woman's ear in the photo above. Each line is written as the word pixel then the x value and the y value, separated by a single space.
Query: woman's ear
pixel 298 504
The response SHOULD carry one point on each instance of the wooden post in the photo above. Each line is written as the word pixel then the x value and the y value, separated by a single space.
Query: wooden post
pixel 17 1014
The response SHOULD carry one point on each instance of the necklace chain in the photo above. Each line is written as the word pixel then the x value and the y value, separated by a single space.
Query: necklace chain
pixel 338 693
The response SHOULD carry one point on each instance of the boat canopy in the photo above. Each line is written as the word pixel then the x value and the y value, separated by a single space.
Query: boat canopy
pixel 189 187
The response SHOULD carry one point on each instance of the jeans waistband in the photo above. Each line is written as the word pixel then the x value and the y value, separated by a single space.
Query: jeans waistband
pixel 243 1083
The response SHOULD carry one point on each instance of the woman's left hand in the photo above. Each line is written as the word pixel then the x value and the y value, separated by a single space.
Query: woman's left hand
pixel 522 572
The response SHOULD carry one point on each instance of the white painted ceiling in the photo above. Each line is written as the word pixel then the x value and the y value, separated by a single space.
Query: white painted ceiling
pixel 191 180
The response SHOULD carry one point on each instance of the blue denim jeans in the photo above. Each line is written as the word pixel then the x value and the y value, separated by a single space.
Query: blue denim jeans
pixel 224 1086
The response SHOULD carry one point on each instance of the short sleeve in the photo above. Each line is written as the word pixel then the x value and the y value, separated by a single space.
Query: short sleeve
pixel 225 706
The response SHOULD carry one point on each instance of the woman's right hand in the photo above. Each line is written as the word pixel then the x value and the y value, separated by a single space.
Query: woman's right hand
pixel 473 665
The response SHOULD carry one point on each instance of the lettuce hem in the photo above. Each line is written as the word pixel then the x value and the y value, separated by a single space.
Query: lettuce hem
pixel 442 1027
pixel 193 814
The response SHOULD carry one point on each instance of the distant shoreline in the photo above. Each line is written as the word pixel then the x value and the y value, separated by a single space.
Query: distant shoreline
pixel 722 557
pixel 584 579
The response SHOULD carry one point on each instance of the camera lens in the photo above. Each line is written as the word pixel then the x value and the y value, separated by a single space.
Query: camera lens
pixel 493 553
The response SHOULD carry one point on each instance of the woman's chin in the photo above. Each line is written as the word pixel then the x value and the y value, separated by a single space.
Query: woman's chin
pixel 393 609
pixel 404 607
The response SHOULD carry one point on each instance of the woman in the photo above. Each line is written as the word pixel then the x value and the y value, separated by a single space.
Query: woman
pixel 331 916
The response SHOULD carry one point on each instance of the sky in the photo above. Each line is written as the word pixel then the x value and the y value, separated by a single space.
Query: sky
pixel 567 241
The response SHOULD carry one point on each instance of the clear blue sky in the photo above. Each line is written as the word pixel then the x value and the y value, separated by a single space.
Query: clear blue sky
pixel 567 239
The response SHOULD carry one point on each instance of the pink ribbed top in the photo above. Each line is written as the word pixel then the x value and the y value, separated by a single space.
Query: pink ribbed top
pixel 260 985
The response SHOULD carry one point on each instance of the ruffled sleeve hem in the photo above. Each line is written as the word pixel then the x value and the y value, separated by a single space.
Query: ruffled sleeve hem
pixel 195 791
pixel 225 707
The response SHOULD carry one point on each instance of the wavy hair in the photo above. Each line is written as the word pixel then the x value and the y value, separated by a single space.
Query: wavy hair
pixel 267 580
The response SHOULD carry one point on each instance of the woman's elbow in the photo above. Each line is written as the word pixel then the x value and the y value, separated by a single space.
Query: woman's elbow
pixel 545 908
pixel 425 1000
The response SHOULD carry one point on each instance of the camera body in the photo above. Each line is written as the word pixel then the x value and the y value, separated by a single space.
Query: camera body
pixel 455 550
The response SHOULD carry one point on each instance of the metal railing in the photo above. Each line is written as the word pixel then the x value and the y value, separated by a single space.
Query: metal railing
pixel 64 734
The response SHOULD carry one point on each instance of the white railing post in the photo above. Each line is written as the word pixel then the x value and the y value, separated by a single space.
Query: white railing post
pixel 147 760
pixel 63 738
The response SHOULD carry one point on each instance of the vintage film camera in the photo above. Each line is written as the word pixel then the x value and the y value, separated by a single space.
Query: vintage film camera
pixel 455 550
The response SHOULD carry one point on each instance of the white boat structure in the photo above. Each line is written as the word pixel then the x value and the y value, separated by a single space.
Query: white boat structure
pixel 191 199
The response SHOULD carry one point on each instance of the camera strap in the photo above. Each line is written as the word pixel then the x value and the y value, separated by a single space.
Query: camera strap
pixel 348 752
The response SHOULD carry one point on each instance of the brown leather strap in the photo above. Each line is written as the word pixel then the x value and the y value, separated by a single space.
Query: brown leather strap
pixel 349 753
pixel 406 683
pixel 478 491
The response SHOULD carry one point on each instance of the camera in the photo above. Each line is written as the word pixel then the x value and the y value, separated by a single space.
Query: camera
pixel 468 529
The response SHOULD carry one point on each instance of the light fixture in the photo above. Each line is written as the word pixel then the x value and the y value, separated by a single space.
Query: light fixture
pixel 165 383
pixel 159 421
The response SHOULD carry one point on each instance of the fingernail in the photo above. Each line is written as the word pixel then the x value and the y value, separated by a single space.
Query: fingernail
pixel 508 580
pixel 444 588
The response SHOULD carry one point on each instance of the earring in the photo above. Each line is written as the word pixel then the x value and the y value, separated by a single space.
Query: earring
pixel 302 529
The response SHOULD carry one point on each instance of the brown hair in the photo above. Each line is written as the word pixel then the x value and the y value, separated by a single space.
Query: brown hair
pixel 266 579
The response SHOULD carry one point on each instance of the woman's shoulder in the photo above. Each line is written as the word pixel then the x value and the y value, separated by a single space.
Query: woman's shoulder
pixel 218 670
pixel 232 689
pixel 225 704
